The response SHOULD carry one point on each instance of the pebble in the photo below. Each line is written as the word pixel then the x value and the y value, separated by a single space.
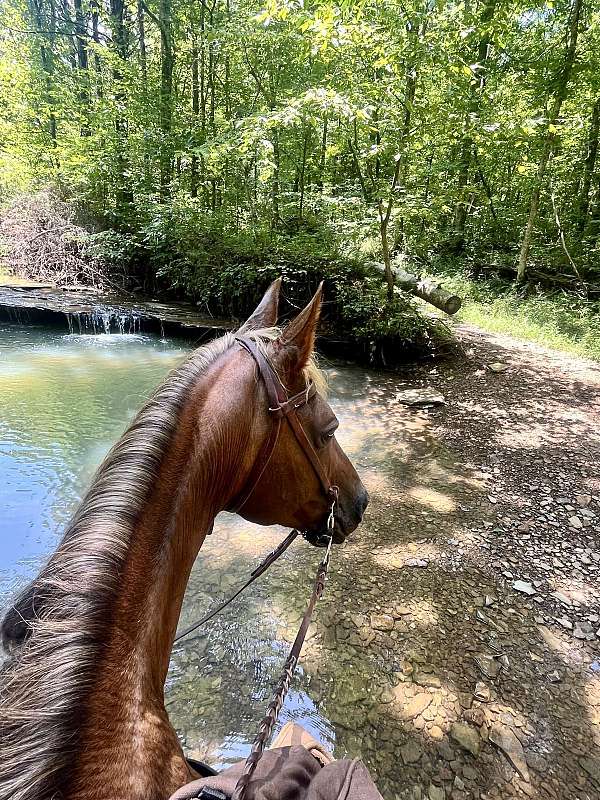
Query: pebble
pixel 524 587
pixel 382 622
pixel 505 739
pixel 436 792
pixel 411 752
pixel 416 706
pixel 436 733
pixel 467 737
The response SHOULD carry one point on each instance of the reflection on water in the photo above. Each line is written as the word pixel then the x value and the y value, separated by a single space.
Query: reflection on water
pixel 64 400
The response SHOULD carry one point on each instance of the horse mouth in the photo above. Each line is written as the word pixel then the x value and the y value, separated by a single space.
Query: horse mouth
pixel 320 538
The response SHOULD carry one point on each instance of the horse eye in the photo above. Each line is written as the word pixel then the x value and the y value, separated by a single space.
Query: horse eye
pixel 326 437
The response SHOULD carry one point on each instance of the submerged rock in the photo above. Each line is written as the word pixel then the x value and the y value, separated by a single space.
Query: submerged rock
pixel 420 397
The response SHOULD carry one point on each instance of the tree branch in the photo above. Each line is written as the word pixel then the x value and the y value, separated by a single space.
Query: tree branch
pixel 561 236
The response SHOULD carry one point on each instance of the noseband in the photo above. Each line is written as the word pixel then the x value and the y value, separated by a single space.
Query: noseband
pixel 282 408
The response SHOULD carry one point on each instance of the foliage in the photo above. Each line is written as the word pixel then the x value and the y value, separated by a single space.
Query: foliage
pixel 239 137
pixel 554 319
pixel 40 241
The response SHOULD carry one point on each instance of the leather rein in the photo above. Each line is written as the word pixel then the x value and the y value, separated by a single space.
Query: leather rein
pixel 282 408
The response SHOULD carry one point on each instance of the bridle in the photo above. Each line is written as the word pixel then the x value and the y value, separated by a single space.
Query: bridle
pixel 282 407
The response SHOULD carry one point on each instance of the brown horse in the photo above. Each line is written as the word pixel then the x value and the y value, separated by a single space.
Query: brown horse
pixel 82 713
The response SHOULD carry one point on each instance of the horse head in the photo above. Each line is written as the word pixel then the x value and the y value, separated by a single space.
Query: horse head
pixel 291 491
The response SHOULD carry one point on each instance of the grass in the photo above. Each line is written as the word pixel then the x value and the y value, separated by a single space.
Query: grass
pixel 559 321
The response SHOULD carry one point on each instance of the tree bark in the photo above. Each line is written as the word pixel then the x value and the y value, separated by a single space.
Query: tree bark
pixel 467 147
pixel 550 136
pixel 302 174
pixel 46 36
pixel 195 112
pixel 427 289
pixel 166 96
pixel 323 155
pixel 275 215
pixel 589 167
pixel 82 65
pixel 385 212
pixel 124 194
pixel 96 39
pixel 141 27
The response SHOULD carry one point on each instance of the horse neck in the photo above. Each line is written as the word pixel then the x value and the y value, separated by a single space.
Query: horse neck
pixel 128 746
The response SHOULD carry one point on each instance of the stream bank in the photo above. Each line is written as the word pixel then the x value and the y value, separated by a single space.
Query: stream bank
pixel 83 310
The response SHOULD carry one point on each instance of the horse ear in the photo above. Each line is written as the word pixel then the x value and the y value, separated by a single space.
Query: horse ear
pixel 298 338
pixel 265 314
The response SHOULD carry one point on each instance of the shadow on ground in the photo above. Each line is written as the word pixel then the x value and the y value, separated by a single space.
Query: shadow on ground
pixel 423 652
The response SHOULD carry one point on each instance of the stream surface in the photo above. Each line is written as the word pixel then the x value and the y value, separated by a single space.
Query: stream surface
pixel 64 400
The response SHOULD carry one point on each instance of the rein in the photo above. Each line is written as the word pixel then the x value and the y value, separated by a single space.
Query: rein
pixel 282 408
pixel 256 573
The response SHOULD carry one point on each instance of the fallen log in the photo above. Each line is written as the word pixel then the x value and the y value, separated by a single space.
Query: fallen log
pixel 427 289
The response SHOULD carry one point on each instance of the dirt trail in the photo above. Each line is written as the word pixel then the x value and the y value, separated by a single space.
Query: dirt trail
pixel 467 658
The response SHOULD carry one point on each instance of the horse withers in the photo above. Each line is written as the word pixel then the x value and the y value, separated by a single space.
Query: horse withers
pixel 82 714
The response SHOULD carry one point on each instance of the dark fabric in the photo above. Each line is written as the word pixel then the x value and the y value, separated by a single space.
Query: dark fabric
pixel 292 773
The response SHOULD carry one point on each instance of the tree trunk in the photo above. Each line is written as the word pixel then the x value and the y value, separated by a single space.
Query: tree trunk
pixel 323 155
pixel 476 91
pixel 46 33
pixel 275 216
pixel 141 26
pixel 589 167
pixel 196 113
pixel 302 174
pixel 550 136
pixel 166 97
pixel 427 289
pixel 124 194
pixel 384 219
pixel 96 39
pixel 82 65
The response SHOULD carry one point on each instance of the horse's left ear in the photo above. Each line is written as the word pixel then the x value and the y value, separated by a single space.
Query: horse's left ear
pixel 298 338
pixel 265 313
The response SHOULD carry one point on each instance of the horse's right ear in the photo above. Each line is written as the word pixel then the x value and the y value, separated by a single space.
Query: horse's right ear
pixel 266 312
pixel 297 341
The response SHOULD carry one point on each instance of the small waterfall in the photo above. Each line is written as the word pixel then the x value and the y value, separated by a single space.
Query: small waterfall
pixel 103 320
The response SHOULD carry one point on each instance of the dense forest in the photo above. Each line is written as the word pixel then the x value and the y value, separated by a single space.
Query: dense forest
pixel 211 143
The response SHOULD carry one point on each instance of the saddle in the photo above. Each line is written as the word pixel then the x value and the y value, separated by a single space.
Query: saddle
pixel 297 767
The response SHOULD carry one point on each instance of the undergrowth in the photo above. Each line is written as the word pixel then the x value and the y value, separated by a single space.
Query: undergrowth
pixel 557 320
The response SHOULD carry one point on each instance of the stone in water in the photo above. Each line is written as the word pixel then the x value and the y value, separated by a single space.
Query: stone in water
pixel 420 397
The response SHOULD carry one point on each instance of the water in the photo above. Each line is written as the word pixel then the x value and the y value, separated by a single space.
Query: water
pixel 64 399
